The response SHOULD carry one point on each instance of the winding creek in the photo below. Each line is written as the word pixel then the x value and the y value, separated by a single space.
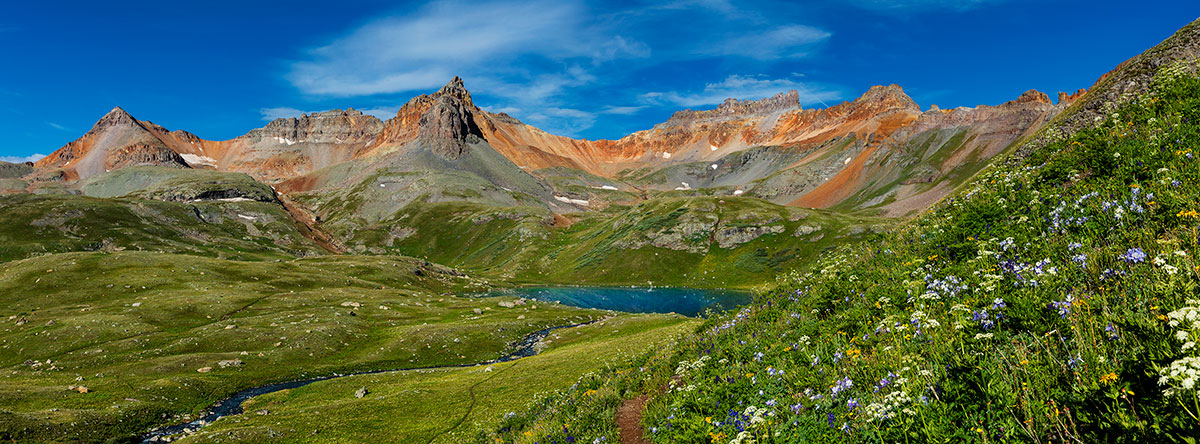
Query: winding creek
pixel 688 302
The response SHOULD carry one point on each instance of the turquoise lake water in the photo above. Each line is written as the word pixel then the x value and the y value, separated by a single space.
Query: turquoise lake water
pixel 685 301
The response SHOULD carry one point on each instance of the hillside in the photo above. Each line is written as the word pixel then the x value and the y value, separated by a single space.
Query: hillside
pixel 1052 299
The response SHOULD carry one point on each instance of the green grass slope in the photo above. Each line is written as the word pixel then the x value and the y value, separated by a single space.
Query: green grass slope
pixel 146 333
pixel 702 242
pixel 1053 300
pixel 56 223
pixel 454 403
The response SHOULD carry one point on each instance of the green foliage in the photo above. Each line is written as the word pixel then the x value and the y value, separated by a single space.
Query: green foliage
pixel 1050 301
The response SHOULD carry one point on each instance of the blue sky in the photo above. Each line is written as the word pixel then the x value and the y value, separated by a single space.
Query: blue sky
pixel 574 67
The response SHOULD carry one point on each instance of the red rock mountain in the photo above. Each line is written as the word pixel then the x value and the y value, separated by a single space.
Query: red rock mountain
pixel 862 135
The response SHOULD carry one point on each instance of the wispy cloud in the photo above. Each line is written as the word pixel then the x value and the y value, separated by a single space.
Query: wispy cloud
pixel 562 121
pixel 281 112
pixel 545 61
pixel 57 126
pixel 423 50
pixel 784 41
pixel 622 110
pixel 909 6
pixel 20 159
pixel 743 88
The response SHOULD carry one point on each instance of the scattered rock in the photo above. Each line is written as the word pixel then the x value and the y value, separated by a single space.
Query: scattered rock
pixel 477 311
pixel 805 230
pixel 230 363
pixel 351 304
pixel 520 317
pixel 230 327
pixel 361 392
pixel 204 369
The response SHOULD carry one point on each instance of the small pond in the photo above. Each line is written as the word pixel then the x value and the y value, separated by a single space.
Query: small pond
pixel 685 301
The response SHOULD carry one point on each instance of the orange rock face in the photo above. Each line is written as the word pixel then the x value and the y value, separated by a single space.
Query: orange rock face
pixel 875 125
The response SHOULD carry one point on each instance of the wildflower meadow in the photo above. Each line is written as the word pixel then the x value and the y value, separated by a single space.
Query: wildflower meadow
pixel 1052 299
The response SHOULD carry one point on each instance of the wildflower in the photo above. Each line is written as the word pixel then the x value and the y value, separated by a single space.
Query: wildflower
pixel 1134 255
pixel 998 304
pixel 1063 307
pixel 1112 331
pixel 851 404
pixel 1080 259
pixel 841 385
pixel 1108 379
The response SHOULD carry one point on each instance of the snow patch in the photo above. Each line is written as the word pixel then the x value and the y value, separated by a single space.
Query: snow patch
pixel 285 141
pixel 606 187
pixel 712 147
pixel 738 192
pixel 243 216
pixel 193 159
pixel 235 199
pixel 566 199
pixel 666 155
pixel 846 162
pixel 684 187
pixel 714 166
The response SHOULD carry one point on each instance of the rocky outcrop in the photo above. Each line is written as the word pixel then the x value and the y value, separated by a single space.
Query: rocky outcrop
pixel 1067 98
pixel 449 123
pixel 733 108
pixel 334 126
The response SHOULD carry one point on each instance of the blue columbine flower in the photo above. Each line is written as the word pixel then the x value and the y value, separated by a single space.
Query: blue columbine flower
pixel 1134 255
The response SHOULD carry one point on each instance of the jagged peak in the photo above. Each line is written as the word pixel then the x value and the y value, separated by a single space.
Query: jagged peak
pixel 117 116
pixel 455 89
pixel 1033 96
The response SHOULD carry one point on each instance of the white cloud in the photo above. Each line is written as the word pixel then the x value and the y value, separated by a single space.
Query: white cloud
pixel 382 112
pixel 622 110
pixel 282 112
pixel 423 50
pixel 20 159
pixel 561 121
pixel 57 126
pixel 788 41
pixel 743 88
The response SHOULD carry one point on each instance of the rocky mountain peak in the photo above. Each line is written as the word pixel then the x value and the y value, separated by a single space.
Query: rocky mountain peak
pixel 117 117
pixel 731 109
pixel 449 123
pixel 887 96
pixel 454 88
pixel 1033 96
pixel 333 126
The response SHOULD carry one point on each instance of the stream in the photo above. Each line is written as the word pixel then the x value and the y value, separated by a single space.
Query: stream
pixel 233 405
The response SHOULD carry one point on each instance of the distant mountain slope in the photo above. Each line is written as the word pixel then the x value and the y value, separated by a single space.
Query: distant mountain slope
pixel 878 152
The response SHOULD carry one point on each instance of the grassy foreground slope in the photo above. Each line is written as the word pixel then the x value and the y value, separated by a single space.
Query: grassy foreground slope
pixel 155 338
pixel 444 405
pixel 1052 300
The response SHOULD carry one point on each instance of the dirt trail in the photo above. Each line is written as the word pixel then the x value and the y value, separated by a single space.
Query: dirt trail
pixel 629 420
